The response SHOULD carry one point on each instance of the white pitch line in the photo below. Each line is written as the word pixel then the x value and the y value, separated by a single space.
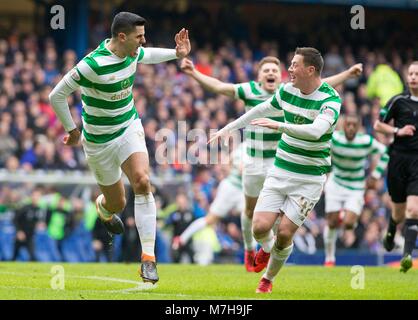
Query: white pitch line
pixel 141 287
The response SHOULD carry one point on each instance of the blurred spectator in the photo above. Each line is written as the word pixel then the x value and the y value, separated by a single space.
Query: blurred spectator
pixel 384 83
pixel 27 218
pixel 304 241
pixel 60 221
pixel 230 240
pixel 102 243
pixel 180 219
pixel 131 246
pixel 30 136
pixel 372 240
pixel 8 145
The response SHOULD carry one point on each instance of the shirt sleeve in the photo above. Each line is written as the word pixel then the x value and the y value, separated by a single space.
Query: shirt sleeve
pixel 239 89
pixel 267 108
pixel 389 110
pixel 73 78
pixel 330 111
pixel 312 131
pixel 58 98
pixel 156 55
pixel 81 75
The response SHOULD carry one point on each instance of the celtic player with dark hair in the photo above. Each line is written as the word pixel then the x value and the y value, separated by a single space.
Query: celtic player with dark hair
pixel 345 187
pixel 260 142
pixel 295 182
pixel 112 135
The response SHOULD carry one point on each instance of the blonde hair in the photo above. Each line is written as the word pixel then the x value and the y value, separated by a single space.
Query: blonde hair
pixel 268 59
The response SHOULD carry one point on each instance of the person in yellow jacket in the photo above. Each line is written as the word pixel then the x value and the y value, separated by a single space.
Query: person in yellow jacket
pixel 384 83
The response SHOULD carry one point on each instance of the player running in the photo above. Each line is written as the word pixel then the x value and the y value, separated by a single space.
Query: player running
pixel 261 141
pixel 294 184
pixel 402 176
pixel 112 136
pixel 344 190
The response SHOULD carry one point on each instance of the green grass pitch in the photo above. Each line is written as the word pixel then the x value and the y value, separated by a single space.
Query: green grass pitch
pixel 189 282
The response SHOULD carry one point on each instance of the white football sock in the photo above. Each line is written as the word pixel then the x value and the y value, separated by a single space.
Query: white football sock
pixel 146 222
pixel 106 214
pixel 267 241
pixel 330 239
pixel 277 260
pixel 247 234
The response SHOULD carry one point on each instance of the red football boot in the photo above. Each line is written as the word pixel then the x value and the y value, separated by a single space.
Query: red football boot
pixel 249 257
pixel 329 264
pixel 264 286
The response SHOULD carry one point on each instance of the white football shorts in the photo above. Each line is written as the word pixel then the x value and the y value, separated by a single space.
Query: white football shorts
pixel 292 193
pixel 105 160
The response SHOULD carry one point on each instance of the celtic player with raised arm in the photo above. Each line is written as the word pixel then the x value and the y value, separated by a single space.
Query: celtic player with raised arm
pixel 112 135
pixel 261 142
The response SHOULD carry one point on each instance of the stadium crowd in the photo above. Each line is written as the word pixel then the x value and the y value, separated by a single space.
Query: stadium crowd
pixel 166 99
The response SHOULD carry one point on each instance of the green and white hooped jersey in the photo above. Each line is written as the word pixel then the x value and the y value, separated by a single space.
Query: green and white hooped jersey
pixel 106 83
pixel 235 175
pixel 261 142
pixel 349 159
pixel 303 156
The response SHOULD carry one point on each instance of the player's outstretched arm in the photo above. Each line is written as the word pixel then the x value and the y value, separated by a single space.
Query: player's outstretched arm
pixel 208 83
pixel 354 71
pixel 311 131
pixel 264 109
pixel 58 99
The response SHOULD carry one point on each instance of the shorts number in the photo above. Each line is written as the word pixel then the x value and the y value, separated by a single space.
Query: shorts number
pixel 306 206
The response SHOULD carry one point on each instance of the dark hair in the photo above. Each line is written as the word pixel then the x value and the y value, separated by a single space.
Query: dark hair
pixel 353 115
pixel 311 57
pixel 125 22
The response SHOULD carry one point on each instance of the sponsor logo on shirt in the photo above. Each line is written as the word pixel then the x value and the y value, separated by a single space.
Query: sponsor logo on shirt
pixel 120 96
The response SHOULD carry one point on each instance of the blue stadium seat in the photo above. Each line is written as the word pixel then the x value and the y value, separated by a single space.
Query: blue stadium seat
pixel 7 238
pixel 46 249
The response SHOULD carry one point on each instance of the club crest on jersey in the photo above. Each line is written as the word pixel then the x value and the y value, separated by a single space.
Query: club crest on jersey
pixel 125 84
pixel 299 119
